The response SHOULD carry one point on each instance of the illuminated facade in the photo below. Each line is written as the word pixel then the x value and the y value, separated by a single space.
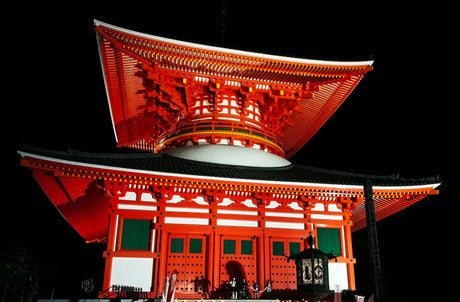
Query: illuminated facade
pixel 215 196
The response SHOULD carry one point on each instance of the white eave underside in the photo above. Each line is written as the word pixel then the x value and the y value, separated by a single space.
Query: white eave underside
pixel 233 51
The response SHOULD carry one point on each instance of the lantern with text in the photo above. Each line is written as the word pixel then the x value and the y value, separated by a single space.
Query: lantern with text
pixel 312 270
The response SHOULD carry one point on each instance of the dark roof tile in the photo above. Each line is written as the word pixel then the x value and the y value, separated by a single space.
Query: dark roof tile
pixel 165 163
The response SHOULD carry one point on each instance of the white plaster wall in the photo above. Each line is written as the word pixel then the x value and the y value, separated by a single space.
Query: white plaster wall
pixel 131 271
pixel 338 275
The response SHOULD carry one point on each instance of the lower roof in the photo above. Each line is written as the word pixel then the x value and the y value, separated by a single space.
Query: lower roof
pixel 163 163
pixel 84 204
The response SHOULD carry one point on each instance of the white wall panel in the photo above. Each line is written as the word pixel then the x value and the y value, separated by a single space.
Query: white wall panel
pixel 338 275
pixel 131 271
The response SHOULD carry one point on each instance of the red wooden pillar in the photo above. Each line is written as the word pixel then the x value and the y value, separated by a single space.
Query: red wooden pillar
pixel 111 246
pixel 214 248
pixel 162 260
pixel 209 262
pixel 267 257
pixel 157 256
pixel 349 252
pixel 260 260
pixel 162 245
pixel 216 261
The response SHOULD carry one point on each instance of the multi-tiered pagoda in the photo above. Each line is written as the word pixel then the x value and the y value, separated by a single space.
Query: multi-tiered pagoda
pixel 214 195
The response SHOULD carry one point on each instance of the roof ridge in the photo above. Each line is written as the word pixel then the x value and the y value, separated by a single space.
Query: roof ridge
pixel 205 47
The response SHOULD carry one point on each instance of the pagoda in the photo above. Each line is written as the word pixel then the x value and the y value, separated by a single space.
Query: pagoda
pixel 214 196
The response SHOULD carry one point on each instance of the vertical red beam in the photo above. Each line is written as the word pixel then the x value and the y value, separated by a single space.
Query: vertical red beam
pixel 153 244
pixel 216 261
pixel 267 256
pixel 262 259
pixel 214 248
pixel 107 276
pixel 157 256
pixel 111 246
pixel 118 238
pixel 261 264
pixel 162 260
pixel 349 252
pixel 113 228
pixel 162 244
pixel 210 261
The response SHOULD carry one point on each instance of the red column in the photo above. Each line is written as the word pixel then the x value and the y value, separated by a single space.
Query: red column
pixel 162 260
pixel 210 260
pixel 162 245
pixel 349 252
pixel 261 260
pixel 216 261
pixel 267 258
pixel 263 257
pixel 214 249
pixel 157 255
pixel 111 247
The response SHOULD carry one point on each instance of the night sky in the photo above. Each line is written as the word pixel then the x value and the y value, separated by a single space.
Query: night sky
pixel 401 119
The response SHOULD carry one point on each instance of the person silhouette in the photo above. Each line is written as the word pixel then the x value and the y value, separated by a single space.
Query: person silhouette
pixel 255 289
pixel 244 290
pixel 233 289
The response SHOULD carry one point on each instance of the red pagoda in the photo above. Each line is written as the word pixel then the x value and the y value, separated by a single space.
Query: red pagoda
pixel 214 197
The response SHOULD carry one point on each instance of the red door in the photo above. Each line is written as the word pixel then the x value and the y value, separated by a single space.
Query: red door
pixel 187 254
pixel 238 260
pixel 283 273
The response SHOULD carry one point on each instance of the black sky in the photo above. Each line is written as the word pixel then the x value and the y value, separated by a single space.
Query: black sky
pixel 400 118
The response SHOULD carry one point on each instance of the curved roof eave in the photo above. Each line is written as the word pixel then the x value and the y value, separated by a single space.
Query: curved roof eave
pixel 234 51
pixel 64 158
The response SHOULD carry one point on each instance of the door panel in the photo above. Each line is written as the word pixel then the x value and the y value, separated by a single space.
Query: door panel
pixel 238 259
pixel 283 273
pixel 187 254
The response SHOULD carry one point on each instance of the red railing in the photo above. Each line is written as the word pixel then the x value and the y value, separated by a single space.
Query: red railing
pixel 228 128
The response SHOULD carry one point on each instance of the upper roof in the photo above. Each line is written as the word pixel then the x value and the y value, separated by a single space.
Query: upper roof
pixel 235 52
pixel 123 51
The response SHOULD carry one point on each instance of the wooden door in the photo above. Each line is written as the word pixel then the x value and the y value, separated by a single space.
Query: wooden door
pixel 187 255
